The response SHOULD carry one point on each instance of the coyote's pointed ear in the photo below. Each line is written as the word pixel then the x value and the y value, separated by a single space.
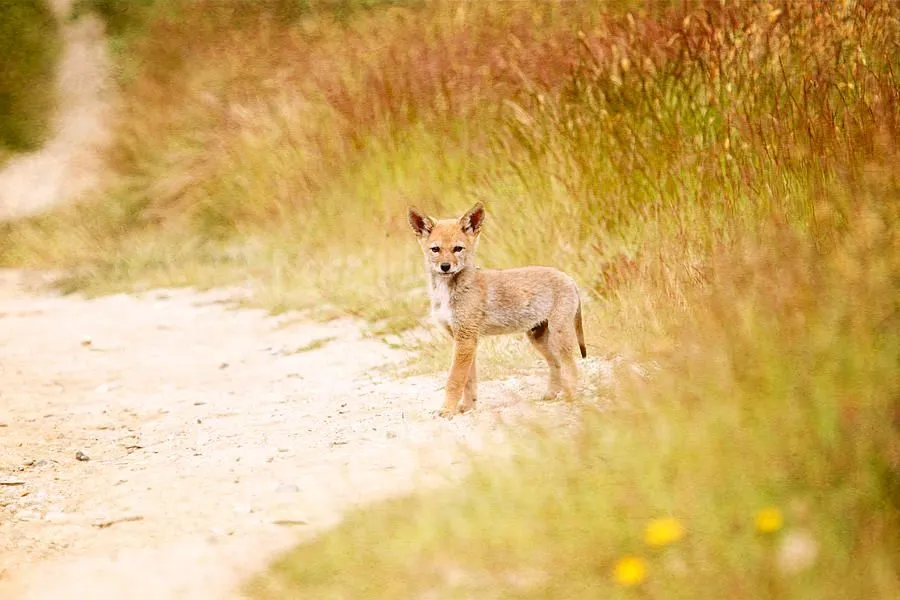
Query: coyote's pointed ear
pixel 472 220
pixel 420 223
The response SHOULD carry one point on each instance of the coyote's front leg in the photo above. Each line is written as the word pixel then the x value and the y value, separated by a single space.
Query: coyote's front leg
pixel 463 358
pixel 470 393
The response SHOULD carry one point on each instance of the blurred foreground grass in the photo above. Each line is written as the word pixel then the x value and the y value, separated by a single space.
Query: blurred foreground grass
pixel 722 179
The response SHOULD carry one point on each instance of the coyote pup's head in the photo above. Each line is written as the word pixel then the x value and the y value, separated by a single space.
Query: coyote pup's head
pixel 448 244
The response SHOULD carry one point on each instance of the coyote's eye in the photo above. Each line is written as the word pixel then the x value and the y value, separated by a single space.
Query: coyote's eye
pixel 435 249
pixel 458 249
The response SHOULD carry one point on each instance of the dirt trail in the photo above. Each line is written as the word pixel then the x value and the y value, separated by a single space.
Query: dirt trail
pixel 205 426
pixel 68 164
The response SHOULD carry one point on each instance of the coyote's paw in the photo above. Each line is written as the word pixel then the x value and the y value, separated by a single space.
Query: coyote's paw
pixel 466 407
pixel 447 412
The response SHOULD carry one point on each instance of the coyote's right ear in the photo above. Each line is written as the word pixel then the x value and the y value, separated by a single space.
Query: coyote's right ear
pixel 420 223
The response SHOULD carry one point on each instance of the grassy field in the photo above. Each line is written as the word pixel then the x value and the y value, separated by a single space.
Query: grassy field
pixel 29 46
pixel 721 178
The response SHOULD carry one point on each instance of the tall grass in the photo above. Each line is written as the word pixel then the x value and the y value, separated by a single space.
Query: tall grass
pixel 29 46
pixel 675 136
pixel 720 177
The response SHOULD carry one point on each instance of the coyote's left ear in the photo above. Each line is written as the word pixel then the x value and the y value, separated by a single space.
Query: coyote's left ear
pixel 471 221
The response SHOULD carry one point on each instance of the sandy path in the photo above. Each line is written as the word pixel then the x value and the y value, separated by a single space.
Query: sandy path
pixel 68 164
pixel 205 423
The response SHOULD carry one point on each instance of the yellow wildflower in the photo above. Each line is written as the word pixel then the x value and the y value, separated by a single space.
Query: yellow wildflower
pixel 662 532
pixel 629 571
pixel 769 520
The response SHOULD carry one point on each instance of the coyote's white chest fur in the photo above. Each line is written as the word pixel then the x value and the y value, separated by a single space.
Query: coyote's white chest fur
pixel 440 302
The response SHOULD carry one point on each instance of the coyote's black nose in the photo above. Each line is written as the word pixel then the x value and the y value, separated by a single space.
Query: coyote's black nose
pixel 445 267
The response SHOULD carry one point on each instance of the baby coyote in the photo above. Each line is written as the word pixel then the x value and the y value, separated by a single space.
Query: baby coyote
pixel 470 302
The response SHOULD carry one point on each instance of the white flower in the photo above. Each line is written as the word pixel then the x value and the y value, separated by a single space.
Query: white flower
pixel 797 551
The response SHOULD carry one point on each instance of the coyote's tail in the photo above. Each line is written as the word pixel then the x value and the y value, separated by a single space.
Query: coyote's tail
pixel 579 330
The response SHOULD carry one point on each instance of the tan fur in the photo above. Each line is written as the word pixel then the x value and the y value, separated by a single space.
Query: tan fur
pixel 471 302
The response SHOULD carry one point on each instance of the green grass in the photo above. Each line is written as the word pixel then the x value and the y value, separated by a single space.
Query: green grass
pixel 122 17
pixel 29 47
pixel 721 179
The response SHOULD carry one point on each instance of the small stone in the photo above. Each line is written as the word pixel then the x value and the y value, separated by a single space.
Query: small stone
pixel 81 456
pixel 284 450
pixel 11 482
pixel 224 365
pixel 86 341
pixel 391 435
pixel 28 515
